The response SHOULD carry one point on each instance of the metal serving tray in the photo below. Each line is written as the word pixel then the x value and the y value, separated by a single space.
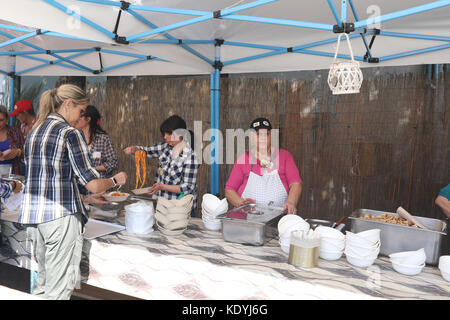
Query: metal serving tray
pixel 397 238
pixel 252 224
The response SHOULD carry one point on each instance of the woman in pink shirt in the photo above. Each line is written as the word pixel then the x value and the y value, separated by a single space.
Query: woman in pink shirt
pixel 264 175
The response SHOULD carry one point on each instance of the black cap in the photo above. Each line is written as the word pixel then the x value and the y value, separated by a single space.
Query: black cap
pixel 261 123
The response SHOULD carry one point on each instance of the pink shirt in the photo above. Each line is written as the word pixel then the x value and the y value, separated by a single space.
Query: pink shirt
pixel 284 162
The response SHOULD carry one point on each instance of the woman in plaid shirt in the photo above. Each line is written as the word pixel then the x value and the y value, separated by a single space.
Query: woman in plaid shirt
pixel 177 165
pixel 57 161
pixel 101 148
pixel 12 139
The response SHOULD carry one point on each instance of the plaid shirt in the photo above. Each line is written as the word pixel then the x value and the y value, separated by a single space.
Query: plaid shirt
pixel 181 171
pixel 56 158
pixel 5 191
pixel 16 140
pixel 102 152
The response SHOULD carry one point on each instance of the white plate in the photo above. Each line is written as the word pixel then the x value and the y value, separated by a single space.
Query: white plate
pixel 141 190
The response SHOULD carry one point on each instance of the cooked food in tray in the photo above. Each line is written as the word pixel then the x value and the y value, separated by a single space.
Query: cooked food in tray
pixel 389 218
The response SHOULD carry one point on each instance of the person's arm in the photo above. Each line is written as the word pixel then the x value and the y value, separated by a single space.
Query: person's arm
pixel 294 181
pixel 16 141
pixel 235 199
pixel 82 166
pixel 153 151
pixel 444 204
pixel 295 190
pixel 234 182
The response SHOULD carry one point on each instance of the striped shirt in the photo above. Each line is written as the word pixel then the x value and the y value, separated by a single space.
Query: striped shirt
pixel 56 159
pixel 5 191
pixel 102 152
pixel 181 170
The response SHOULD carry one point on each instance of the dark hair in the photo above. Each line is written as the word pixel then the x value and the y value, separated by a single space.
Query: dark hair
pixel 174 123
pixel 4 111
pixel 31 112
pixel 94 126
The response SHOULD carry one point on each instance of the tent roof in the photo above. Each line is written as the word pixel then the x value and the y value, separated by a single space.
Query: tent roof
pixel 179 36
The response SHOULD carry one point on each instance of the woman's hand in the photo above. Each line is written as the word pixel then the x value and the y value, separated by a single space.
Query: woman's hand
pixel 96 198
pixel 156 187
pixel 245 201
pixel 16 186
pixel 290 208
pixel 130 150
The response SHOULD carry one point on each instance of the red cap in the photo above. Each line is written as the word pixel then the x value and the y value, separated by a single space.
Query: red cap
pixel 21 106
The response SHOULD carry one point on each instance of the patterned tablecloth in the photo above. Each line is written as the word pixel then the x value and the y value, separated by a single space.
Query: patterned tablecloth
pixel 199 264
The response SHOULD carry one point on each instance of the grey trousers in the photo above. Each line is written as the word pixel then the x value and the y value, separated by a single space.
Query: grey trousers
pixel 56 247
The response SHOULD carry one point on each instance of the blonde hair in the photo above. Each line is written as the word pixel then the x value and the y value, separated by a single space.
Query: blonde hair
pixel 51 100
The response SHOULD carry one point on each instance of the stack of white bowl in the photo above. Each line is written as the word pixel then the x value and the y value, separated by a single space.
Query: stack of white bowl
pixel 444 266
pixel 408 262
pixel 362 248
pixel 332 243
pixel 286 225
pixel 211 208
pixel 172 216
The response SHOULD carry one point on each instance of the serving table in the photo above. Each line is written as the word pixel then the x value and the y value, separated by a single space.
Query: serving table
pixel 199 264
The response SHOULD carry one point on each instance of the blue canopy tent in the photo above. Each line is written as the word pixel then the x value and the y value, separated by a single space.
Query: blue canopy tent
pixel 151 37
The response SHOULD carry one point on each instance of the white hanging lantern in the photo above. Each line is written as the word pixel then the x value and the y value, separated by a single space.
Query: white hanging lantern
pixel 344 77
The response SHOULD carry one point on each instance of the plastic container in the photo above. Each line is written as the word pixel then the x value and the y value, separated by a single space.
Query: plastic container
pixel 139 218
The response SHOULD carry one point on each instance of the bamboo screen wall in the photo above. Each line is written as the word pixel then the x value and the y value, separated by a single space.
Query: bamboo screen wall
pixel 385 147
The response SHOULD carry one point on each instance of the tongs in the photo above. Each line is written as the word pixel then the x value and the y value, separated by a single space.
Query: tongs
pixel 405 214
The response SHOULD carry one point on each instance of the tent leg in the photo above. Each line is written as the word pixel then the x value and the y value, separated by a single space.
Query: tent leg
pixel 215 98
pixel 11 91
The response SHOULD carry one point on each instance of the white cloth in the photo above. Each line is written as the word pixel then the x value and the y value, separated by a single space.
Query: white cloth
pixel 14 200
pixel 266 188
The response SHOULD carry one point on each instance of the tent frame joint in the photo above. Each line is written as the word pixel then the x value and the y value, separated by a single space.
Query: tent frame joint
pixel 345 27
pixel 217 14
pixel 121 40
pixel 12 75
pixel 218 65
pixel 219 42
pixel 125 5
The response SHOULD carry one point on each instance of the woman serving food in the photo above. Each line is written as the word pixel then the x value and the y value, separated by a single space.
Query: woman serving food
pixel 264 175
pixel 177 164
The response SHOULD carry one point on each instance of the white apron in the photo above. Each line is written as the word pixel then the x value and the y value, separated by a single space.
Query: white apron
pixel 266 188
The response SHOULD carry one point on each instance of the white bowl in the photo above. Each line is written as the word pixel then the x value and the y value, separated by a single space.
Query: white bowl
pixel 372 235
pixel 407 269
pixel 296 226
pixel 330 255
pixel 213 226
pixel 416 257
pixel 329 232
pixel 359 262
pixel 285 241
pixel 210 202
pixel 358 240
pixel 363 254
pixel 351 243
pixel 285 247
pixel 330 246
pixel 288 220
pixel 445 275
pixel 444 263
pixel 120 198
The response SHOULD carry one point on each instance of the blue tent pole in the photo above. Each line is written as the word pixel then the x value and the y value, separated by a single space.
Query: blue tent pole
pixel 11 87
pixel 217 127
pixel 212 110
